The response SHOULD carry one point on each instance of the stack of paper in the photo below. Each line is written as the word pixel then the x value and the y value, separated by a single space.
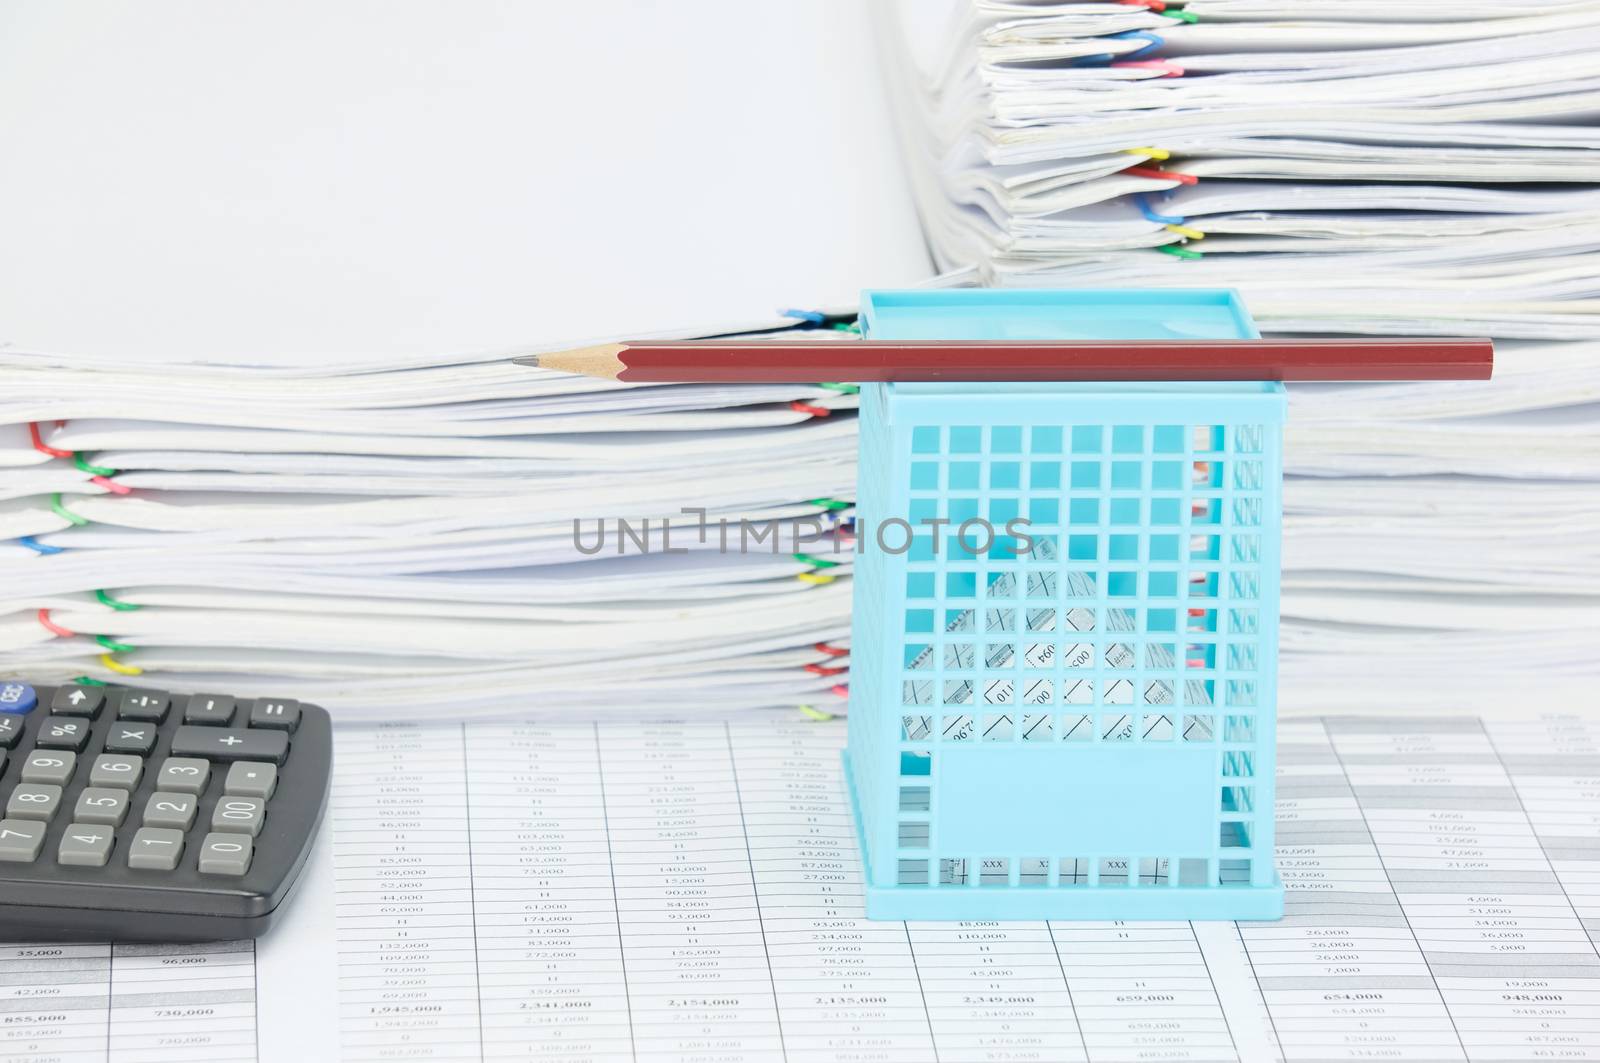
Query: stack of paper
pixel 460 521
pixel 1352 167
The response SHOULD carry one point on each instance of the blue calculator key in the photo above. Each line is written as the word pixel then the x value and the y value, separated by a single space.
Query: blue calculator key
pixel 18 698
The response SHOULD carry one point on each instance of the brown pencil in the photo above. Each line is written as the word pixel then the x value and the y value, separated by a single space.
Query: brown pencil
pixel 803 361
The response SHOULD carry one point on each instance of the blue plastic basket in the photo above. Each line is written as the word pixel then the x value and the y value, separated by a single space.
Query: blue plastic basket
pixel 1063 699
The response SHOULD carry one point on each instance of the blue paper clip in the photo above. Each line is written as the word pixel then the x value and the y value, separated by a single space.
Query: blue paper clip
pixel 1132 35
pixel 33 544
pixel 810 317
pixel 1143 200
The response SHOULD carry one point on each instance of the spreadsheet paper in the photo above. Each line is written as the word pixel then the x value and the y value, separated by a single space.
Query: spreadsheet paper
pixel 691 891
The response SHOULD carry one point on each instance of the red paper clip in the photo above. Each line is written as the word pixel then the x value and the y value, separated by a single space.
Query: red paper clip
pixel 1158 6
pixel 831 651
pixel 39 443
pixel 815 411
pixel 840 689
pixel 818 669
pixel 1162 175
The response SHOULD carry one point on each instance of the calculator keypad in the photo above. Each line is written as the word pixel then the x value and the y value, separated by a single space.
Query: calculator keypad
pixel 206 731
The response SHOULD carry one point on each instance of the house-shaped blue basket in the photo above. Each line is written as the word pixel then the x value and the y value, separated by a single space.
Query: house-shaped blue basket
pixel 1064 649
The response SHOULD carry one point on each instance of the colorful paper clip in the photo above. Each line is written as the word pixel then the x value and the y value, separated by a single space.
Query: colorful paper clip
pixel 1142 200
pixel 123 607
pixel 40 445
pixel 1153 40
pixel 1161 175
pixel 54 628
pixel 64 513
pixel 1169 68
pixel 117 666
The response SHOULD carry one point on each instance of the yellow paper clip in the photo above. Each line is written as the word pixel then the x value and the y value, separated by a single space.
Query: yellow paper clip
pixel 118 667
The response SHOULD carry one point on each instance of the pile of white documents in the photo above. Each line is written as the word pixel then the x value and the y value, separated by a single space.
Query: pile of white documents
pixel 1351 167
pixel 497 530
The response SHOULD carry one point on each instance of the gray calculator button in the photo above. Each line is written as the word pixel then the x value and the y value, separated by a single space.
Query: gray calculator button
pixel 242 815
pixel 30 801
pixel 104 805
pixel 10 729
pixel 170 810
pixel 213 709
pixel 225 854
pixel 116 771
pixel 131 737
pixel 63 732
pixel 85 845
pixel 145 705
pixel 230 743
pixel 78 701
pixel 184 774
pixel 249 778
pixel 49 766
pixel 281 714
pixel 155 849
pixel 20 840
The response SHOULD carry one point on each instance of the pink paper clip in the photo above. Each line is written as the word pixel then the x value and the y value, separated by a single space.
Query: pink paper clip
pixel 110 485
pixel 1173 70
pixel 53 627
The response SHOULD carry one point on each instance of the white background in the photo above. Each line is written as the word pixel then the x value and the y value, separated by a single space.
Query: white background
pixel 226 181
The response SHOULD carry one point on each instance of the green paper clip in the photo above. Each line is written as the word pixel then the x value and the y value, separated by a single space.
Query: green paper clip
pixel 124 607
pixel 815 562
pixel 93 470
pixel 64 513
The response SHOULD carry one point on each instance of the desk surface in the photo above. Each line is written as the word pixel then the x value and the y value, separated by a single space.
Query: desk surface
pixel 691 891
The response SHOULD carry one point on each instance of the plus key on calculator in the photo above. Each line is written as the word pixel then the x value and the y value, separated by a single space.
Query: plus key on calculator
pixel 142 815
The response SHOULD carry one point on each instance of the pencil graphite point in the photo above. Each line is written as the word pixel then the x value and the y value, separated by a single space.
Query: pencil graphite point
pixel 603 360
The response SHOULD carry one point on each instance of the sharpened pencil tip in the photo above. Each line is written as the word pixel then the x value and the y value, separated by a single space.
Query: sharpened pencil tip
pixel 602 361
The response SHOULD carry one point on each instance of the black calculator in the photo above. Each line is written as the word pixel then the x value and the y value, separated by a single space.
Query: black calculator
pixel 141 815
